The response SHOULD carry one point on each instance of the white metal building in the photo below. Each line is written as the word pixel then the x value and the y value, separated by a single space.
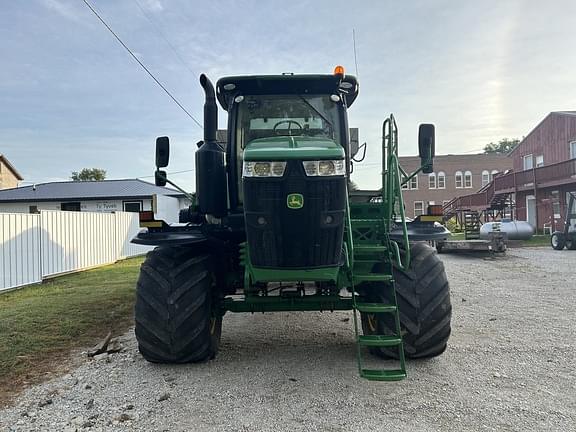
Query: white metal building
pixel 131 195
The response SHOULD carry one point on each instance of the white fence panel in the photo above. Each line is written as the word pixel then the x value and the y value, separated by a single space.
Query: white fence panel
pixel 76 240
pixel 20 262
pixel 127 226
pixel 54 242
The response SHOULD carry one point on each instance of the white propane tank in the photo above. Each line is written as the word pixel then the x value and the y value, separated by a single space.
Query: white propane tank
pixel 514 229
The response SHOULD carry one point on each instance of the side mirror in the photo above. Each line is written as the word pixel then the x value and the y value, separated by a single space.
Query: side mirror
pixel 160 178
pixel 426 147
pixel 162 152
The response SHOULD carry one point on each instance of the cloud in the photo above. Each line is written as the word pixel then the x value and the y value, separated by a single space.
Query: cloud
pixel 153 5
pixel 64 9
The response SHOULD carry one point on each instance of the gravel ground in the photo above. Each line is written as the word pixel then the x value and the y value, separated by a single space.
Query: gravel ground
pixel 509 366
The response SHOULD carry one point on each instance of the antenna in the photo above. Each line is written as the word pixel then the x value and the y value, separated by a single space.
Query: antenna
pixel 354 43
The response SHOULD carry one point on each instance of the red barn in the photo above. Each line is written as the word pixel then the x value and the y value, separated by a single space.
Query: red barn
pixel 544 171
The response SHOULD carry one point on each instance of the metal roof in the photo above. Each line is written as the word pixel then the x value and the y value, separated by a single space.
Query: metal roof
pixel 230 87
pixel 87 190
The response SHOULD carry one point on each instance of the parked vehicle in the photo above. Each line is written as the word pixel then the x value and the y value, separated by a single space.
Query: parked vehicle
pixel 567 237
pixel 273 228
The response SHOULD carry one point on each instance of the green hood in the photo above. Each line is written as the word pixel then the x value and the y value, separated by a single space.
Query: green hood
pixel 292 147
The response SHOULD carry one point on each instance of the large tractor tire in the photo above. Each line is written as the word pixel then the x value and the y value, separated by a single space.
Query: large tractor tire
pixel 423 296
pixel 571 242
pixel 558 241
pixel 175 318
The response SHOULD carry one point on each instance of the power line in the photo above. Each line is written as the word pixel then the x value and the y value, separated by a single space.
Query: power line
pixel 141 64
pixel 163 36
pixel 170 173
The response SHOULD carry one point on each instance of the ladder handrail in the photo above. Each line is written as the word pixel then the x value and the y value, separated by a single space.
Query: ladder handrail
pixel 392 188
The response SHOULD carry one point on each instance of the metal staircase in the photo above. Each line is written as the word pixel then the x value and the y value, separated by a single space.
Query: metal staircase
pixel 373 257
pixel 369 255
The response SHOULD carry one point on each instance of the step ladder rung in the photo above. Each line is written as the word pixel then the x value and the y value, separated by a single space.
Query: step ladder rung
pixel 383 375
pixel 376 308
pixel 369 248
pixel 366 221
pixel 379 340
pixel 372 277
pixel 368 261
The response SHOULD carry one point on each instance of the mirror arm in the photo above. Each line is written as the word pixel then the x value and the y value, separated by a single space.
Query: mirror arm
pixel 402 171
pixel 411 176
pixel 188 195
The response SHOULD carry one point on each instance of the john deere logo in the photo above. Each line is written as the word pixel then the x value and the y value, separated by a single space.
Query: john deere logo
pixel 295 201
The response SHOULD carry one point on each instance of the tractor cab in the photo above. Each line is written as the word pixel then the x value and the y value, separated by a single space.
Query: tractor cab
pixel 284 117
pixel 288 154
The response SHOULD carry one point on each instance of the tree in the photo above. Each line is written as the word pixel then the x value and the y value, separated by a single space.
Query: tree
pixel 89 174
pixel 504 146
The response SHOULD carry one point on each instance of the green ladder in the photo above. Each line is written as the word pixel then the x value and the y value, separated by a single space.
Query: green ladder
pixel 366 255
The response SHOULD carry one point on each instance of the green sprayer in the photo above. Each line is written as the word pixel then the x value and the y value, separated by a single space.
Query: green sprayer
pixel 275 226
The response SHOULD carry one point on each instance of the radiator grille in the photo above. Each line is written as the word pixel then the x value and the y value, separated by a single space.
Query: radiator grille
pixel 298 238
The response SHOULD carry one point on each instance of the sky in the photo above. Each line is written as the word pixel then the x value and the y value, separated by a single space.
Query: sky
pixel 71 97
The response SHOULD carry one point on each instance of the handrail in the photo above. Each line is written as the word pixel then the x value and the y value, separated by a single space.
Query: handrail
pixel 392 188
pixel 505 182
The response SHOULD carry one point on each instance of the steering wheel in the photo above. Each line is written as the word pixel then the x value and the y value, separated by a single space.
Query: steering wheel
pixel 289 123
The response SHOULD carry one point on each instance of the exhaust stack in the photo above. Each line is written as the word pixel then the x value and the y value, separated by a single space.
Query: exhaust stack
pixel 211 188
pixel 210 110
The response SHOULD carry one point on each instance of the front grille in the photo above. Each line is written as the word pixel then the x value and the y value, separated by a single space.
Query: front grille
pixel 298 238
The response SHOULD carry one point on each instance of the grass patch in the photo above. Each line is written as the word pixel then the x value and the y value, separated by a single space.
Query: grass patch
pixel 457 236
pixel 536 240
pixel 40 324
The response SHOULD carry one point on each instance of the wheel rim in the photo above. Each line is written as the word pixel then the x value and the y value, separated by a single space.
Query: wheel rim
pixel 555 240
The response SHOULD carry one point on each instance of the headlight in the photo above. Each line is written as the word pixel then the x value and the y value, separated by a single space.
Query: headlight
pixel 263 169
pixel 324 168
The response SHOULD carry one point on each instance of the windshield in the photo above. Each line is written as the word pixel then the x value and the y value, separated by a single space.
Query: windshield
pixel 293 115
pixel 266 116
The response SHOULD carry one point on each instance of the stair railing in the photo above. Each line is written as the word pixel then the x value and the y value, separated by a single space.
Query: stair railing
pixel 392 189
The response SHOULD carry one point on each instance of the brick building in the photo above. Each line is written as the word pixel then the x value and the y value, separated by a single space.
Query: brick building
pixel 453 176
pixel 9 177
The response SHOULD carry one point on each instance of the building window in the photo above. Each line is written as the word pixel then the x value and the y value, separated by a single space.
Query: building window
pixel 70 206
pixel 33 209
pixel 414 182
pixel 528 162
pixel 441 180
pixel 432 181
pixel 458 177
pixel 539 161
pixel 132 206
pixel 418 208
pixel 485 177
pixel 573 150
pixel 467 179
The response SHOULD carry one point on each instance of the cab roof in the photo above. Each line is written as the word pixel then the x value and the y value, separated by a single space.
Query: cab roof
pixel 229 87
